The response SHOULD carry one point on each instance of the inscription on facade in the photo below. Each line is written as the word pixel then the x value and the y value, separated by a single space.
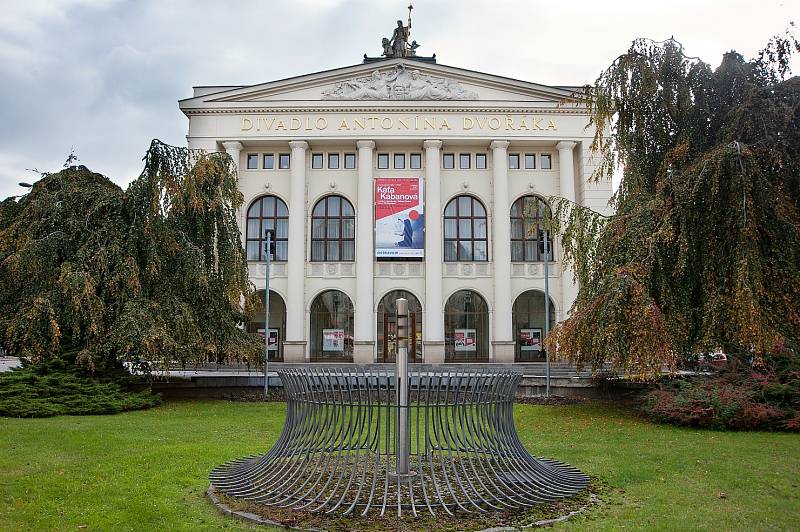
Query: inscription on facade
pixel 396 122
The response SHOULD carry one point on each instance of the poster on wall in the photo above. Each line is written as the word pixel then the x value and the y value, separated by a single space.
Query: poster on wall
pixel 272 345
pixel 399 217
pixel 530 339
pixel 465 340
pixel 333 340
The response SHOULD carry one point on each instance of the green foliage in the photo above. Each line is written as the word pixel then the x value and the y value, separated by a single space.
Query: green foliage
pixel 57 387
pixel 703 250
pixel 152 274
pixel 743 398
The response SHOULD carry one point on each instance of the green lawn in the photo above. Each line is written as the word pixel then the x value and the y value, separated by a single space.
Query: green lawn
pixel 147 470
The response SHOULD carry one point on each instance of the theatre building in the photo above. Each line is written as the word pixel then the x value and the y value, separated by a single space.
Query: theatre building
pixel 403 177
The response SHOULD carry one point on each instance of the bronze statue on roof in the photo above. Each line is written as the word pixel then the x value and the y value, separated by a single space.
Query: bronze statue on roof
pixel 398 45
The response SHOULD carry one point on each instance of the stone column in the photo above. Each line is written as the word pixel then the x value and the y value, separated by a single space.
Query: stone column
pixel 433 329
pixel 566 174
pixel 503 342
pixel 364 343
pixel 294 348
pixel 234 149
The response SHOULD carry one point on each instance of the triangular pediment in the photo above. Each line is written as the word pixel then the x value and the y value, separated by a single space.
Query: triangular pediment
pixel 390 81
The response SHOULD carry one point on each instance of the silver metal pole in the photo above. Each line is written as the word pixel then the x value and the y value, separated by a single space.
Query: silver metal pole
pixel 401 380
pixel 268 235
pixel 546 311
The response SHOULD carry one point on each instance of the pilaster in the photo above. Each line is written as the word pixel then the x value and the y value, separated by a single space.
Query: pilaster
pixel 365 271
pixel 501 240
pixel 433 330
pixel 295 300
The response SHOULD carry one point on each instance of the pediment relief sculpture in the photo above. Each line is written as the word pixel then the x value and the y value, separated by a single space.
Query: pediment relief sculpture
pixel 398 84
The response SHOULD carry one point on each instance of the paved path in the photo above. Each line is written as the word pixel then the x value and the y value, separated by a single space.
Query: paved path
pixel 6 363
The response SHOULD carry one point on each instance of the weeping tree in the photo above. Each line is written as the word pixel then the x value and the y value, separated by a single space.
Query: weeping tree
pixel 703 250
pixel 154 273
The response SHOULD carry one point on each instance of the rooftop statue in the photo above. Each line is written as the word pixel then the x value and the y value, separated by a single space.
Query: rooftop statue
pixel 398 44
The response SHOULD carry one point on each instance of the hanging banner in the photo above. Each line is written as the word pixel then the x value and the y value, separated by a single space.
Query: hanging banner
pixel 399 217
pixel 530 339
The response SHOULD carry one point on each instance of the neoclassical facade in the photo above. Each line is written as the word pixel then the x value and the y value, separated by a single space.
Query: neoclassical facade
pixel 480 155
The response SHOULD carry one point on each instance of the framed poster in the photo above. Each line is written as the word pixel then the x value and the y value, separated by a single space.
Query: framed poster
pixel 333 340
pixel 530 339
pixel 272 345
pixel 399 217
pixel 465 340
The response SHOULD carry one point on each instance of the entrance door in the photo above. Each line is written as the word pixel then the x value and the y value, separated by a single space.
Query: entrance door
pixel 387 327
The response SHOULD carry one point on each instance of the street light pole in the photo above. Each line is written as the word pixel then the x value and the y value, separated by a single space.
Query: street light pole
pixel 269 248
pixel 546 311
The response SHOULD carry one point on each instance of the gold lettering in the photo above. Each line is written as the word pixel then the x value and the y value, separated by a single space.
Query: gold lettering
pixel 522 124
pixel 416 122
pixel 308 125
pixel 321 123
pixel 444 124
pixel 496 121
pixel 383 122
pixel 427 122
pixel 247 124
pixel 359 123
pixel 343 125
pixel 509 122
pixel 536 124
pixel 402 122
pixel 482 125
pixel 292 123
pixel 280 125
pixel 372 121
pixel 268 123
pixel 467 120
pixel 551 125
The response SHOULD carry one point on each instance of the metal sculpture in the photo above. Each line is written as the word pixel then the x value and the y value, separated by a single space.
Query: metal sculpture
pixel 338 451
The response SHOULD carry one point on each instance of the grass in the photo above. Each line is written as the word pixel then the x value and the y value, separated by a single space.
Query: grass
pixel 146 470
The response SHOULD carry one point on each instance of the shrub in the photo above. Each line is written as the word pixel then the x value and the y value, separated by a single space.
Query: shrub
pixel 59 388
pixel 742 398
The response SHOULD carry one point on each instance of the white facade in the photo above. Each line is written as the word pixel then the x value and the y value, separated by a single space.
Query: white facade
pixel 453 111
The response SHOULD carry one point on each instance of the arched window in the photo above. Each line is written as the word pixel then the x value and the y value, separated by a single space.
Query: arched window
pixel 466 328
pixel 527 236
pixel 333 230
pixel 387 327
pixel 528 318
pixel 277 323
pixel 267 212
pixel 332 327
pixel 465 235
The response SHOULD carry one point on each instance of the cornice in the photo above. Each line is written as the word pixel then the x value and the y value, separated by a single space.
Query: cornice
pixel 500 110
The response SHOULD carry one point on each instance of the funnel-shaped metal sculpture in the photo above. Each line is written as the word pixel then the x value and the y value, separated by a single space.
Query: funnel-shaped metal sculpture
pixel 339 448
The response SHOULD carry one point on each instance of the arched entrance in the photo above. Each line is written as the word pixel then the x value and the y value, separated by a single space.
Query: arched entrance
pixel 387 327
pixel 466 328
pixel 277 323
pixel 528 317
pixel 331 327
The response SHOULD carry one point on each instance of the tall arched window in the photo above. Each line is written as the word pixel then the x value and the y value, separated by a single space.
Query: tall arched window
pixel 387 327
pixel 528 315
pixel 333 230
pixel 466 328
pixel 267 212
pixel 465 235
pixel 527 236
pixel 332 327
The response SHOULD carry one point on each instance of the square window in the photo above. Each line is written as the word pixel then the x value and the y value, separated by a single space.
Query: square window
pixel 480 161
pixel 513 161
pixel 333 161
pixel 464 161
pixel 269 161
pixel 383 161
pixel 547 161
pixel 252 161
pixel 415 161
pixel 283 161
pixel 349 161
pixel 316 161
pixel 530 161
pixel 399 161
pixel 448 161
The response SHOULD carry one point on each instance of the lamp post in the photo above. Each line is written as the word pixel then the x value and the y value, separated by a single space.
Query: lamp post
pixel 546 311
pixel 269 248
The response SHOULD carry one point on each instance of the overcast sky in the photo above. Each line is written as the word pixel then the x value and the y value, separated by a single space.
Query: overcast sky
pixel 104 76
